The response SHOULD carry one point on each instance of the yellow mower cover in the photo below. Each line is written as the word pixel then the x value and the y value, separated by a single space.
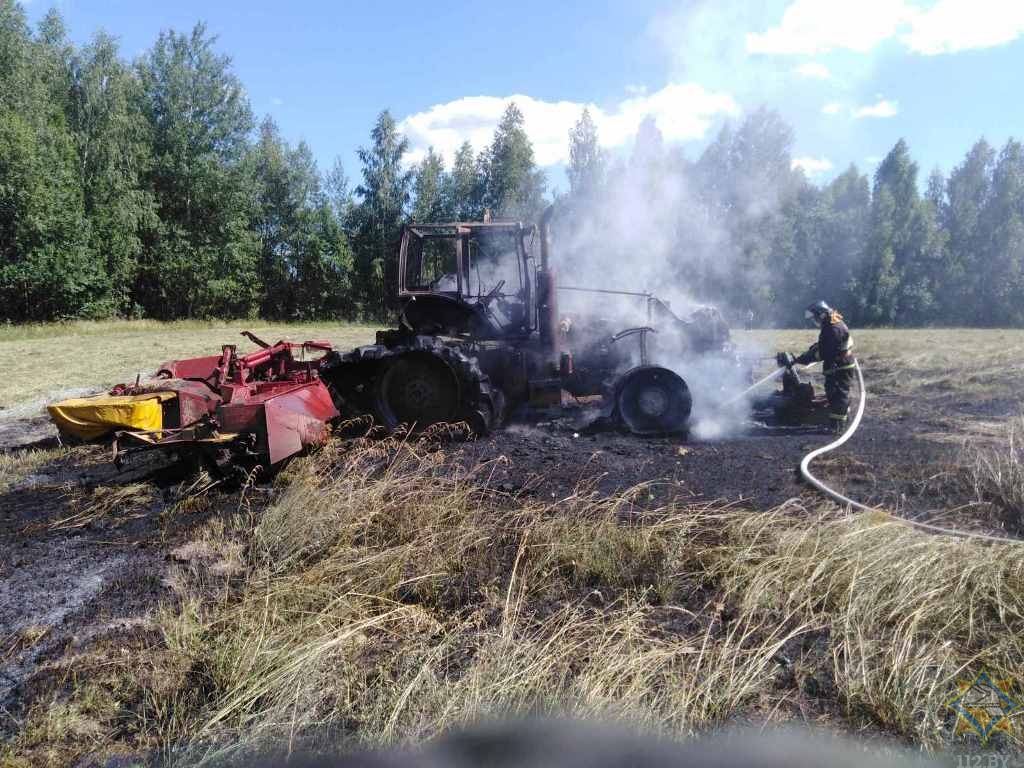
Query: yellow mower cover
pixel 89 418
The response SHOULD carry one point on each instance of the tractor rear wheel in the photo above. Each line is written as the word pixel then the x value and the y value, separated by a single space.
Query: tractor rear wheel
pixel 417 389
pixel 651 400
pixel 417 383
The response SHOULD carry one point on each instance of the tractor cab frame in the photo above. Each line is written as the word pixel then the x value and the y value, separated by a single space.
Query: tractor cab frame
pixel 471 280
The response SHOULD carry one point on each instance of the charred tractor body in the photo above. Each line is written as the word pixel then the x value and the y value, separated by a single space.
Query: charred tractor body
pixel 480 336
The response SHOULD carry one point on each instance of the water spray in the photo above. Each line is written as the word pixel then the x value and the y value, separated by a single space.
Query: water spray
pixel 770 377
pixel 760 382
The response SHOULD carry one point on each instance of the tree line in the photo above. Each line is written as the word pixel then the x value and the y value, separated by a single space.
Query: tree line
pixel 148 189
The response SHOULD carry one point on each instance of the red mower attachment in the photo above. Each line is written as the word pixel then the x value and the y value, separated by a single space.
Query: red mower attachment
pixel 233 411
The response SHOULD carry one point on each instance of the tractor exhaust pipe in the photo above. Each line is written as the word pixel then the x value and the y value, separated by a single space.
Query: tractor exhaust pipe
pixel 545 236
pixel 547 288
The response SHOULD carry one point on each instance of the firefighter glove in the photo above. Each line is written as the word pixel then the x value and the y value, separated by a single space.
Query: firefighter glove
pixel 784 360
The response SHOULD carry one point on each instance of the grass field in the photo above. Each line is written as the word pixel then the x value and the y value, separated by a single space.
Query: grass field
pixel 41 360
pixel 377 594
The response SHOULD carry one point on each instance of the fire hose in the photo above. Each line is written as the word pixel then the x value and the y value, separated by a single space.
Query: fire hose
pixel 805 473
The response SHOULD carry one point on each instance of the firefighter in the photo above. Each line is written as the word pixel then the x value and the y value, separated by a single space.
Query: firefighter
pixel 834 349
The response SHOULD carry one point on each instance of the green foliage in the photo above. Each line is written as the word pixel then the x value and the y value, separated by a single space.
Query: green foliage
pixel 1001 224
pixel 514 185
pixel 146 189
pixel 877 299
pixel 112 142
pixel 202 259
pixel 465 186
pixel 305 260
pixel 377 220
pixel 46 265
pixel 747 188
pixel 586 161
pixel 905 249
pixel 429 190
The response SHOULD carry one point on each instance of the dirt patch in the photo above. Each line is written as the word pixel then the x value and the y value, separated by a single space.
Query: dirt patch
pixel 27 424
pixel 49 582
pixel 83 555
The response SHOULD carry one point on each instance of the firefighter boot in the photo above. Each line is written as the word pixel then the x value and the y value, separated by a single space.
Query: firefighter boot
pixel 836 426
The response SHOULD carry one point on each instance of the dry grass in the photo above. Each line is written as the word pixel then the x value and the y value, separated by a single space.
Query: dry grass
pixel 41 361
pixel 16 467
pixel 112 505
pixel 383 600
pixel 970 362
pixel 994 475
pixel 52 724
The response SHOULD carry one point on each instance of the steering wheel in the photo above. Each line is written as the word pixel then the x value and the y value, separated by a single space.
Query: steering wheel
pixel 492 294
pixel 437 280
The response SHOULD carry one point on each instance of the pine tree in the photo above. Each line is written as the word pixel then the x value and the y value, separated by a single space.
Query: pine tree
pixel 339 193
pixel 586 161
pixel 904 256
pixel 746 184
pixel 384 195
pixel 465 186
pixel 1002 252
pixel 515 186
pixel 429 190
pixel 880 281
pixel 967 193
pixel 847 214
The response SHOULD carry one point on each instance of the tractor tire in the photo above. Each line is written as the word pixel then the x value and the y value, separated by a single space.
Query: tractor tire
pixel 415 384
pixel 651 400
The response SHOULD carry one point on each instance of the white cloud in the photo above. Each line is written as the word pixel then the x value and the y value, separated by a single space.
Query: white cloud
pixel 832 108
pixel 683 111
pixel 812 27
pixel 812 166
pixel 959 25
pixel 872 160
pixel 813 70
pixel 277 101
pixel 882 108
pixel 818 26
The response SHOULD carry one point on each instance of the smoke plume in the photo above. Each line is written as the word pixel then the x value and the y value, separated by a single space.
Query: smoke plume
pixel 686 232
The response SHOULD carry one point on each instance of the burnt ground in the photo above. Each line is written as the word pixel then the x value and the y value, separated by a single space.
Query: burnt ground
pixel 79 570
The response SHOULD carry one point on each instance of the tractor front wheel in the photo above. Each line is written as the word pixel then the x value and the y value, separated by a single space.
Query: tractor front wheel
pixel 652 400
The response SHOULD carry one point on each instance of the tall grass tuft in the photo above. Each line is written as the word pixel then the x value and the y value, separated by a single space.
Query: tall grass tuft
pixel 386 597
pixel 996 476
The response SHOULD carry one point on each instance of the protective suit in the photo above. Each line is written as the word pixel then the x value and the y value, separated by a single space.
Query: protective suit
pixel 834 349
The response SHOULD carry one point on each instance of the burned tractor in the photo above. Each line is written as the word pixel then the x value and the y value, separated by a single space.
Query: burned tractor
pixel 479 336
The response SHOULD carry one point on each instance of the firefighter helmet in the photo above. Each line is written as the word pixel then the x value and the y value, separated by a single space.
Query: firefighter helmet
pixel 818 311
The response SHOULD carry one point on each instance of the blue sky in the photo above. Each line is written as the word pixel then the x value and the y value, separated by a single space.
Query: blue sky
pixel 851 77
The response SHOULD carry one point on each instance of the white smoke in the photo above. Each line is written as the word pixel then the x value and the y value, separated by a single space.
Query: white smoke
pixel 654 229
